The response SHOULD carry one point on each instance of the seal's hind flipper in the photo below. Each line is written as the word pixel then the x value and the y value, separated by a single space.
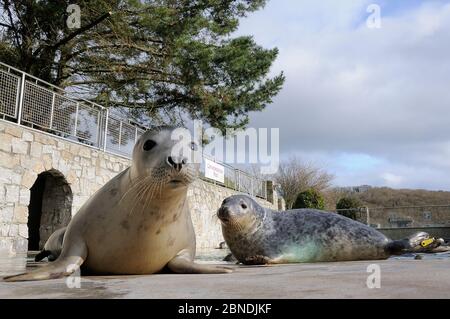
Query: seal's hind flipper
pixel 70 261
pixel 58 269
pixel 44 253
pixel 182 265
pixel 418 242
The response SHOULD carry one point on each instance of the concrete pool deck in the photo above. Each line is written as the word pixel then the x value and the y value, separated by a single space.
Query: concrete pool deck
pixel 400 278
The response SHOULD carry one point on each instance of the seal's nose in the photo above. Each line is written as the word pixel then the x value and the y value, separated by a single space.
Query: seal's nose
pixel 176 163
pixel 223 213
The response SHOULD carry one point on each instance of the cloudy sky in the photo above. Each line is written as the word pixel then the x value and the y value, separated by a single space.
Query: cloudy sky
pixel 371 105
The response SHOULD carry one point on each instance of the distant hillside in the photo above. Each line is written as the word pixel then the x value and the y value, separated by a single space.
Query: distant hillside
pixel 388 197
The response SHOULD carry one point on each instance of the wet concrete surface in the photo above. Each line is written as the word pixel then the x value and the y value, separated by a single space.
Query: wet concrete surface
pixel 401 277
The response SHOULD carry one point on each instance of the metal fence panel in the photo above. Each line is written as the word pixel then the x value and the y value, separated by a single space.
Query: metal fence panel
pixel 64 113
pixel 127 138
pixel 88 124
pixel 9 84
pixel 113 135
pixel 37 102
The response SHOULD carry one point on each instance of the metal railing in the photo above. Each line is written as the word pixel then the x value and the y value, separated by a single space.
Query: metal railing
pixel 401 216
pixel 238 180
pixel 32 102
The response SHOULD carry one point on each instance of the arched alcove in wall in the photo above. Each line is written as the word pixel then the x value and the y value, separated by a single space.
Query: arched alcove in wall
pixel 50 207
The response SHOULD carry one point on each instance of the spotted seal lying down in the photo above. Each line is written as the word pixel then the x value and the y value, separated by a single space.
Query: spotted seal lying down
pixel 256 235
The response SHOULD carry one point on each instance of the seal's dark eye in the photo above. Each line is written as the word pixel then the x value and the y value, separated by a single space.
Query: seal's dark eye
pixel 194 146
pixel 243 206
pixel 148 145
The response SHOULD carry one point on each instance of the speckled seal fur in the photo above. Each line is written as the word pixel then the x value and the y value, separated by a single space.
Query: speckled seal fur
pixel 256 235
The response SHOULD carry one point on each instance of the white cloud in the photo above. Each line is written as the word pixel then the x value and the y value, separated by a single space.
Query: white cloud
pixel 392 180
pixel 354 90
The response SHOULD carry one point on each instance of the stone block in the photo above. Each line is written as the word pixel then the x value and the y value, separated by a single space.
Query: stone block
pixel 23 230
pixel 84 152
pixel 6 247
pixel 14 131
pixel 5 142
pixel 21 214
pixel 38 167
pixel 19 146
pixel 47 160
pixel 36 149
pixel 12 193
pixel 71 177
pixel 5 175
pixel 74 148
pixel 13 230
pixel 28 179
pixel 27 162
pixel 15 176
pixel 6 214
pixel 66 155
pixel 4 229
pixel 60 145
pixel 20 245
pixel 27 136
pixel 9 160
pixel 24 196
pixel 45 140
pixel 47 149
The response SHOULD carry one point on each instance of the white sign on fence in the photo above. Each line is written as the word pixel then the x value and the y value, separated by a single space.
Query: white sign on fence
pixel 214 171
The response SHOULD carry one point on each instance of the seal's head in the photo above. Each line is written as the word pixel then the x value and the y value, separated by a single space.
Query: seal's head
pixel 158 160
pixel 240 212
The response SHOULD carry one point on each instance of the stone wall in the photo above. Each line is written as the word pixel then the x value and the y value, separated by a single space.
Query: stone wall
pixel 26 154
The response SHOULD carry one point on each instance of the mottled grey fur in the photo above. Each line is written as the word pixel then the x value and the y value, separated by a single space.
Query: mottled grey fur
pixel 256 235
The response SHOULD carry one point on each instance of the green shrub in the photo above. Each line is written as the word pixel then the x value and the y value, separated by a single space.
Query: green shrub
pixel 351 205
pixel 309 199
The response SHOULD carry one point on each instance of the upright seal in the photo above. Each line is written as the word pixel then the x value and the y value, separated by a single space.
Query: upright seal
pixel 256 235
pixel 138 223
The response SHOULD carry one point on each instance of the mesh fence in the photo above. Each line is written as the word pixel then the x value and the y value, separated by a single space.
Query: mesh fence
pixel 64 112
pixel 88 124
pixel 9 84
pixel 55 111
pixel 37 102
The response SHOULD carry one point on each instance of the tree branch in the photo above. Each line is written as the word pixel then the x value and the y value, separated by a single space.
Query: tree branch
pixel 81 30
pixel 11 21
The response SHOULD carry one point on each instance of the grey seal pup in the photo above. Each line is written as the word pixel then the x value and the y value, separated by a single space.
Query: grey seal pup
pixel 256 235
pixel 137 223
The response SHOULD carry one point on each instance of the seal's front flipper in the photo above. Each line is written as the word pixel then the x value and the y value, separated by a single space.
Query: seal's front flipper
pixel 44 253
pixel 183 265
pixel 65 265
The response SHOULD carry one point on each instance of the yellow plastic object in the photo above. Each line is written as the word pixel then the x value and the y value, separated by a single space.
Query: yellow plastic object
pixel 427 242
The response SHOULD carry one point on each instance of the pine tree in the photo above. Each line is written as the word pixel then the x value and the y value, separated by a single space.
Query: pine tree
pixel 164 59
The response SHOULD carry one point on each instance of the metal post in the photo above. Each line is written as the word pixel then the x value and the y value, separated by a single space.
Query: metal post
pixel 367 216
pixel 22 89
pixel 77 109
pixel 99 128
pixel 238 181
pixel 106 130
pixel 120 133
pixel 16 107
pixel 52 110
pixel 135 135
